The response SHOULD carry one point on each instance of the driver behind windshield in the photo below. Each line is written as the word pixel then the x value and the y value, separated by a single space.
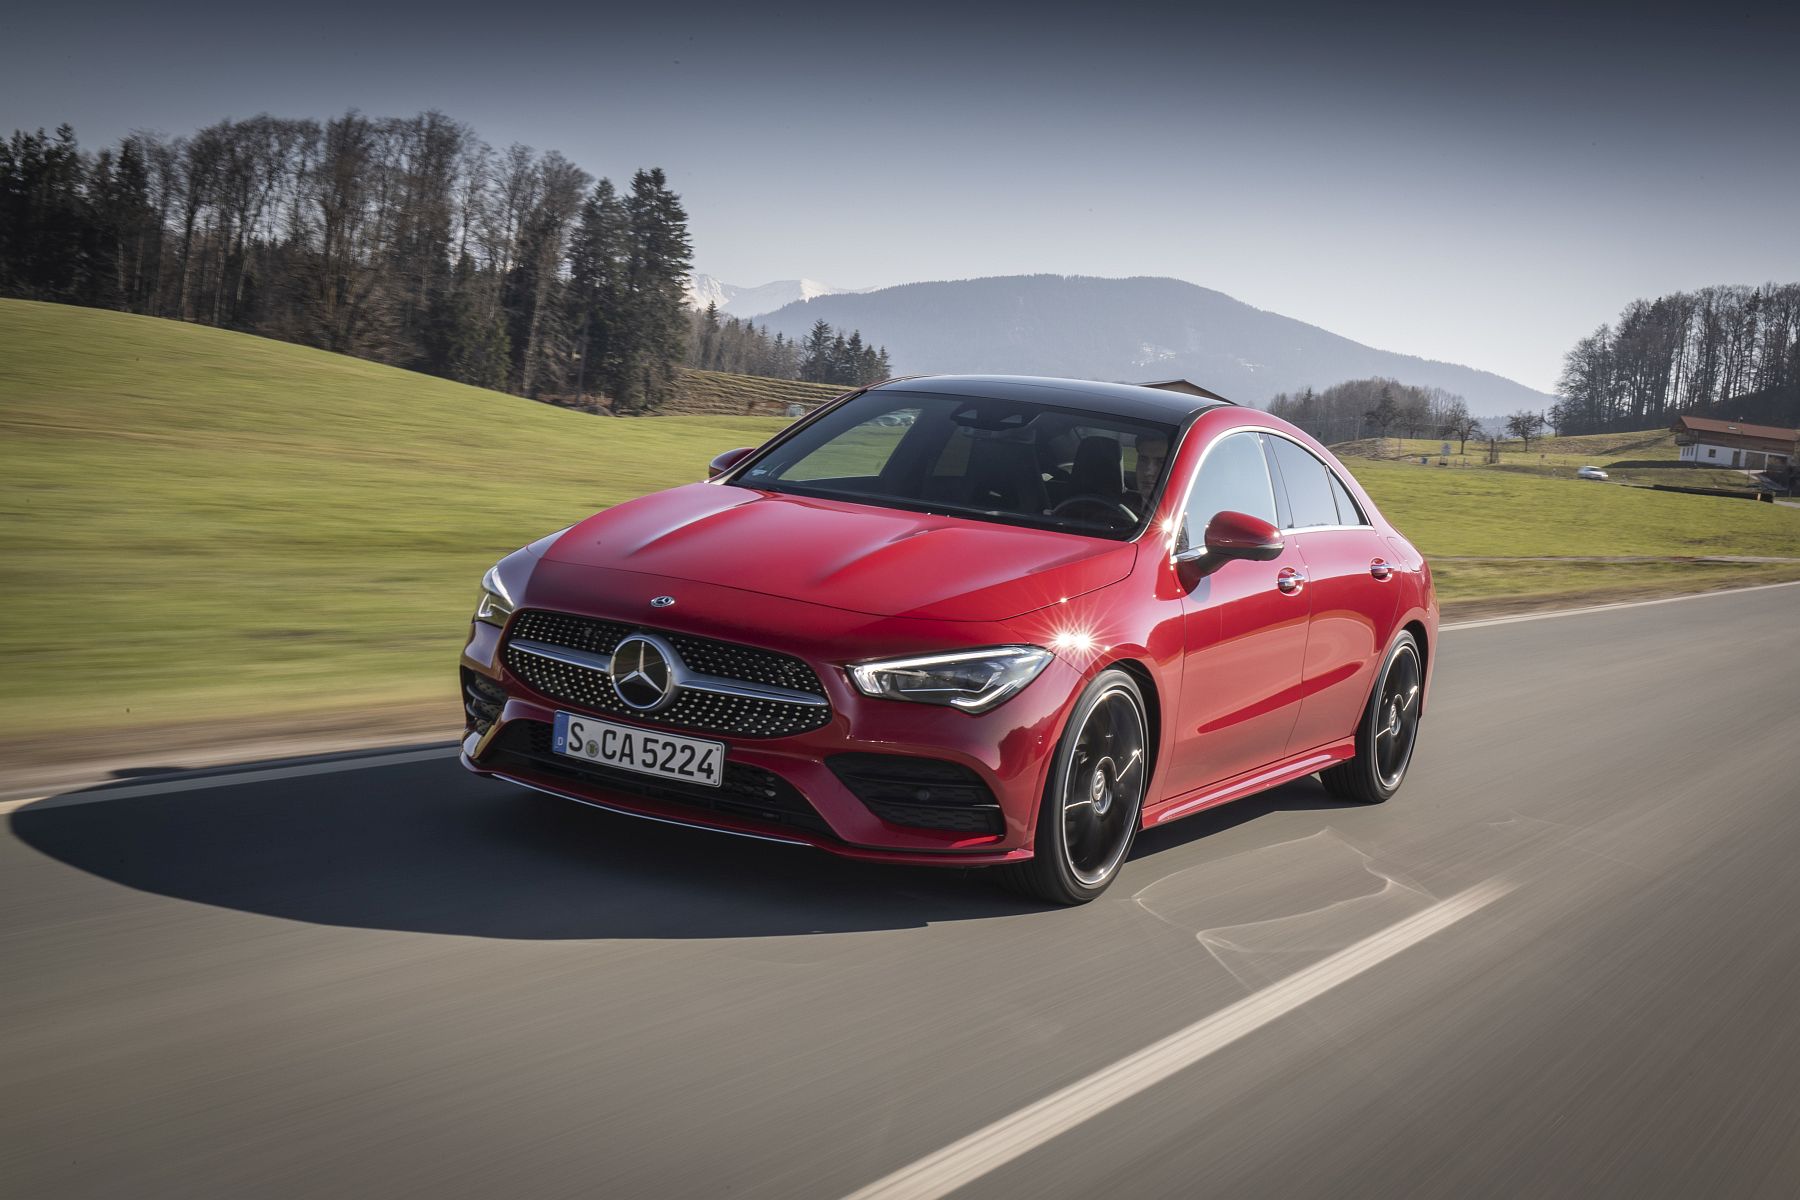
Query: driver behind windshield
pixel 1152 453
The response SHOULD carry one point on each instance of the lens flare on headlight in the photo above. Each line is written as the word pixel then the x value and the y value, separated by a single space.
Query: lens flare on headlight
pixel 1072 641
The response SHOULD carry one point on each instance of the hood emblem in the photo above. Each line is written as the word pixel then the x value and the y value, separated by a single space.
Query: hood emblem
pixel 643 673
pixel 662 601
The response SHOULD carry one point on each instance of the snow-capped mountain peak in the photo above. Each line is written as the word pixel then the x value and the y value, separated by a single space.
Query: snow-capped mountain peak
pixel 753 301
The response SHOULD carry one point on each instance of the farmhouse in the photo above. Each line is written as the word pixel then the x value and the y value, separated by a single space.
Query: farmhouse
pixel 1713 443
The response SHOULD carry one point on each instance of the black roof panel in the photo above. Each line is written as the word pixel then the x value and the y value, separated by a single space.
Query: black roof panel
pixel 1114 399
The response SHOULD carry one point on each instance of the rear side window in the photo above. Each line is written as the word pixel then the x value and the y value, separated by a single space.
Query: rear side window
pixel 1348 512
pixel 1309 485
pixel 1233 478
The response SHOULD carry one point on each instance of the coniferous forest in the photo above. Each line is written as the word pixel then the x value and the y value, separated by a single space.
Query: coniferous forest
pixel 825 355
pixel 406 240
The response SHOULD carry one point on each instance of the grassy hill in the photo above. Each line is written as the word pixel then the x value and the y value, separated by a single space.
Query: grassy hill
pixel 199 525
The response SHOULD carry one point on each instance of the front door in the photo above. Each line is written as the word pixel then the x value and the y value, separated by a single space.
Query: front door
pixel 1245 632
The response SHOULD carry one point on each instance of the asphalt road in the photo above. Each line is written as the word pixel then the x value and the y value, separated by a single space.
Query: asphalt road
pixel 400 981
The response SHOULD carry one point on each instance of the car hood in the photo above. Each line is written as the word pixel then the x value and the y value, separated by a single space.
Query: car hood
pixel 880 561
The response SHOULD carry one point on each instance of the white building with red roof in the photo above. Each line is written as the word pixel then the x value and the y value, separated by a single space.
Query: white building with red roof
pixel 1708 442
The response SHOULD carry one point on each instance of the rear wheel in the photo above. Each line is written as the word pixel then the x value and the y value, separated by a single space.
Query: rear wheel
pixel 1089 816
pixel 1388 732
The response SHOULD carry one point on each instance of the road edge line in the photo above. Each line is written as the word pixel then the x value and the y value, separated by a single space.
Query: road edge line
pixel 1616 606
pixel 195 783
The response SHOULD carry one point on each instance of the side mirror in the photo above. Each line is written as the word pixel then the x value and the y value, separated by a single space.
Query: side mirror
pixel 1240 535
pixel 727 460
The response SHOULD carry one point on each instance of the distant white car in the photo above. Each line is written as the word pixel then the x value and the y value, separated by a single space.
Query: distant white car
pixel 1590 473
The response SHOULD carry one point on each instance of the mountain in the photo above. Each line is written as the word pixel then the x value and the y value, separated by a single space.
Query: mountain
pixel 1141 328
pixel 754 301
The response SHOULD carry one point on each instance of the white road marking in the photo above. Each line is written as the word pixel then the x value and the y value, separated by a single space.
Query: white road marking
pixel 1597 608
pixel 987 1149
pixel 360 762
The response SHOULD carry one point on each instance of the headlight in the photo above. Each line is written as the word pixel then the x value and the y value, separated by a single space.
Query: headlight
pixel 972 680
pixel 505 581
pixel 495 605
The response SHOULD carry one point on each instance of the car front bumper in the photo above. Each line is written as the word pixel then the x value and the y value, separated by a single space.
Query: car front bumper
pixel 1008 749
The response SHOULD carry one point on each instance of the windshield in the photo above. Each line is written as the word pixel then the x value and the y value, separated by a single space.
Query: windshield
pixel 1010 461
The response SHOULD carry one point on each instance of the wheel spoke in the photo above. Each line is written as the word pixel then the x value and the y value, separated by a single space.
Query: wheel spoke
pixel 1100 725
pixel 1137 756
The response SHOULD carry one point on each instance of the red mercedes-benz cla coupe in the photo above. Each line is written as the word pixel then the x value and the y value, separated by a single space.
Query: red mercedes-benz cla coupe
pixel 965 621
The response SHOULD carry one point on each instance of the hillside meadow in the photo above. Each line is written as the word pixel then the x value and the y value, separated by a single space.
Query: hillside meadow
pixel 199 524
pixel 203 526
pixel 1642 457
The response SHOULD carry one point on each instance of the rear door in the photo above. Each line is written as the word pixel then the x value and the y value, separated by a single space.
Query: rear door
pixel 1353 594
pixel 1245 631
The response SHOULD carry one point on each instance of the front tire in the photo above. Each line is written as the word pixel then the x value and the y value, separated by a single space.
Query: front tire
pixel 1095 797
pixel 1388 731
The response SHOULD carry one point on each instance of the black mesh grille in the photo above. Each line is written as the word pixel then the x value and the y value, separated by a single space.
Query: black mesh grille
pixel 924 793
pixel 707 712
pixel 482 699
pixel 747 791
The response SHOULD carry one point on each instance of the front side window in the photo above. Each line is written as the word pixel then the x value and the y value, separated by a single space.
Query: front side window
pixel 1011 461
pixel 1233 478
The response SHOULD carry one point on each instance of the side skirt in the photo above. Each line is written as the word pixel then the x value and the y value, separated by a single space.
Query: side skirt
pixel 1249 784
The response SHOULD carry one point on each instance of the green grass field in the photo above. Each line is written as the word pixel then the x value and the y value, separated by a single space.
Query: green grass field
pixel 1560 457
pixel 1503 513
pixel 1490 533
pixel 201 525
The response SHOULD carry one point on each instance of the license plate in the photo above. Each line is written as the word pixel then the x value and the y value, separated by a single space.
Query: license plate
pixel 690 760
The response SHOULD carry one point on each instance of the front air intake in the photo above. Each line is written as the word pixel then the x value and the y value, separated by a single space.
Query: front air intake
pixel 920 793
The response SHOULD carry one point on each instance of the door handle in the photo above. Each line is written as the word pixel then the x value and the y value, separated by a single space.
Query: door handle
pixel 1290 580
pixel 1381 570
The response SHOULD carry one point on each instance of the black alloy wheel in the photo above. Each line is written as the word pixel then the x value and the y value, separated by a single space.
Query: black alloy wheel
pixel 1388 732
pixel 1089 815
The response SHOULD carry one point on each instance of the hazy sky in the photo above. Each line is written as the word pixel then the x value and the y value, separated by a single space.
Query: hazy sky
pixel 1481 187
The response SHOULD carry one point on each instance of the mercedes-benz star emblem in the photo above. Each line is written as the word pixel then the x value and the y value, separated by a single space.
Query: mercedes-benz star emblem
pixel 662 601
pixel 642 674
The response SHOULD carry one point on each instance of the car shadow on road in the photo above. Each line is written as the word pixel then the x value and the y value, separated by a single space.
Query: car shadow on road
pixel 424 847
pixel 1303 795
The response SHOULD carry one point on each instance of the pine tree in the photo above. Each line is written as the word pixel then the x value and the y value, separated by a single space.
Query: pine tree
pixel 815 354
pixel 655 326
pixel 597 266
pixel 135 226
pixel 710 337
pixel 855 365
pixel 839 369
